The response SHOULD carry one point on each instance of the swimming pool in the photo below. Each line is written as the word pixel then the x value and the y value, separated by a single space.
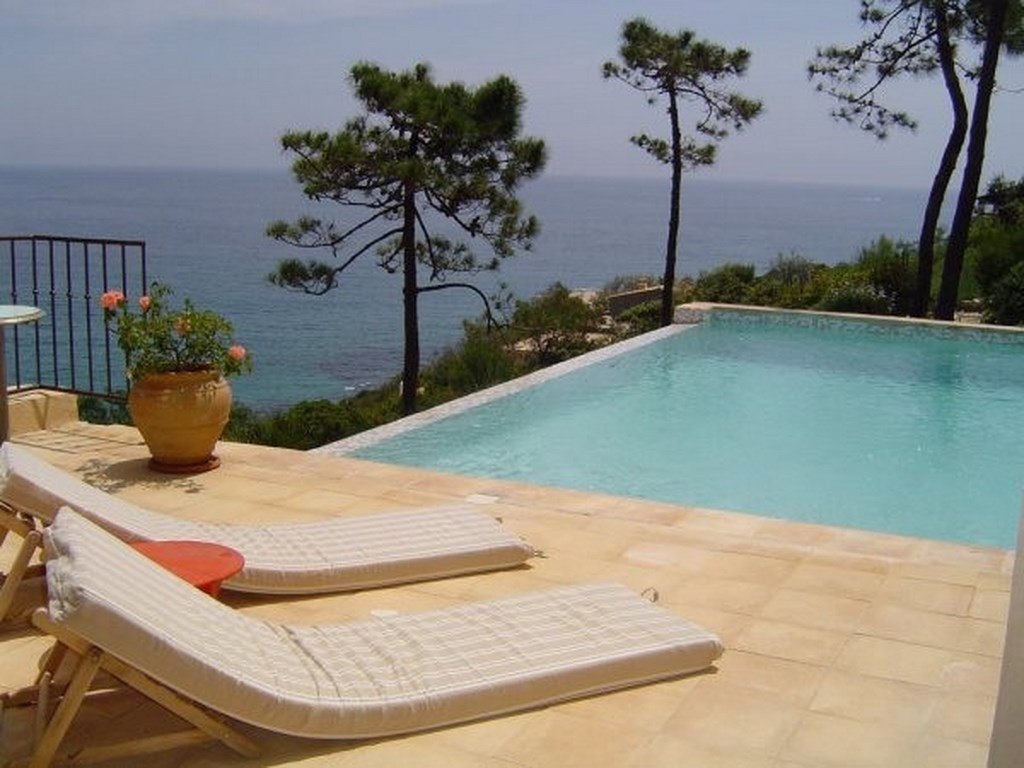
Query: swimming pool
pixel 877 425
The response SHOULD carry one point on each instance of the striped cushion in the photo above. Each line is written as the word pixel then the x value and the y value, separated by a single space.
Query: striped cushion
pixel 324 556
pixel 367 678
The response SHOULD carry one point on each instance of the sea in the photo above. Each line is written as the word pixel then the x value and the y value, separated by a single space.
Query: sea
pixel 204 233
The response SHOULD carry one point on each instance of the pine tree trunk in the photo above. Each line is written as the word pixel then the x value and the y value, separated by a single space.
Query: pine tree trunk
pixel 995 26
pixel 947 166
pixel 669 279
pixel 410 293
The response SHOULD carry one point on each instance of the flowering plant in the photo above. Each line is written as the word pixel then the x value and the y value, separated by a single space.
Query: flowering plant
pixel 159 339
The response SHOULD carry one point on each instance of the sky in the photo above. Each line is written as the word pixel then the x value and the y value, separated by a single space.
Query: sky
pixel 214 83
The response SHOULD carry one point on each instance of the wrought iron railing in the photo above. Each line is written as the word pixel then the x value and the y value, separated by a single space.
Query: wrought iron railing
pixel 69 348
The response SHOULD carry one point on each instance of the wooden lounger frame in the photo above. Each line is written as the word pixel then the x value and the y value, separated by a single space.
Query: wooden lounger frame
pixel 66 698
pixel 25 527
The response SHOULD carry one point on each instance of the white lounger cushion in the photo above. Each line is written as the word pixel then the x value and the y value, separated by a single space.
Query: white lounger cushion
pixel 338 553
pixel 367 678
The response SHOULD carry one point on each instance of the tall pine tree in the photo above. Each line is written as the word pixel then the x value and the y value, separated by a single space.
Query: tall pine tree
pixel 419 147
pixel 682 68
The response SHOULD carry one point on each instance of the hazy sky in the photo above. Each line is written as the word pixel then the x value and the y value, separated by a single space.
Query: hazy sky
pixel 214 83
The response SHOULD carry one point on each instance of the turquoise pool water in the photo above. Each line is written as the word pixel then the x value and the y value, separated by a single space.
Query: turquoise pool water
pixel 853 424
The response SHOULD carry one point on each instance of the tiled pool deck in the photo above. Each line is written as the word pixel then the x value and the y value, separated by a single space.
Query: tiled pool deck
pixel 844 648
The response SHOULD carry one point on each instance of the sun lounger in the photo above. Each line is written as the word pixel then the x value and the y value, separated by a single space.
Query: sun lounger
pixel 334 554
pixel 118 612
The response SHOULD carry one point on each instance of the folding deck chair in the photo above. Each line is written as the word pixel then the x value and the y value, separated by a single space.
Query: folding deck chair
pixel 114 611
pixel 330 555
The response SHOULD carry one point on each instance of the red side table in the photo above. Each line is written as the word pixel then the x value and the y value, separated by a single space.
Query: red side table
pixel 200 563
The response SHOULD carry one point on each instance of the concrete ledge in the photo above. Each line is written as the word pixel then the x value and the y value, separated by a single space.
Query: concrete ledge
pixel 620 302
pixel 41 409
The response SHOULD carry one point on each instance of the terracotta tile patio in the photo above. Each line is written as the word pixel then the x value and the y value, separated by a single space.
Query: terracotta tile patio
pixel 844 648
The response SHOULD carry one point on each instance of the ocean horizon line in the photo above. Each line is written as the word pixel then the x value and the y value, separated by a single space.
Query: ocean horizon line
pixel 688 178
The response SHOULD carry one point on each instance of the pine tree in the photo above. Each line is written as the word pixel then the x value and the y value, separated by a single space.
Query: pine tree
pixel 682 68
pixel 419 147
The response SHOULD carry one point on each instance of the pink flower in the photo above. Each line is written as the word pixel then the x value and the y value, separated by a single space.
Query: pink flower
pixel 236 352
pixel 144 303
pixel 111 300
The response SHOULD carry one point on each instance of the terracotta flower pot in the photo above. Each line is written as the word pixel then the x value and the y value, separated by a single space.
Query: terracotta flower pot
pixel 181 416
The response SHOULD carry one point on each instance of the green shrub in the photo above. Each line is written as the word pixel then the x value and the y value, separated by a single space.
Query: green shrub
pixel 793 269
pixel 994 250
pixel 727 284
pixel 994 262
pixel 852 295
pixel 553 326
pixel 312 423
pixel 684 290
pixel 1004 301
pixel 641 318
pixel 792 281
pixel 482 359
pixel 890 268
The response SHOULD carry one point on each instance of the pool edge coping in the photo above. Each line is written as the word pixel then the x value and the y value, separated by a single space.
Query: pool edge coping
pixel 697 312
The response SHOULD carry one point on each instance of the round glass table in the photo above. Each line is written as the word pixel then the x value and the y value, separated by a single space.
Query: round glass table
pixel 10 314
